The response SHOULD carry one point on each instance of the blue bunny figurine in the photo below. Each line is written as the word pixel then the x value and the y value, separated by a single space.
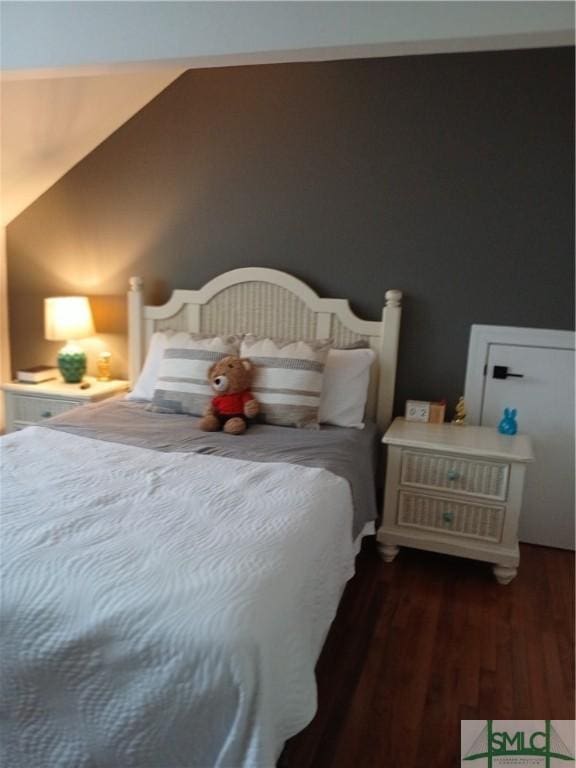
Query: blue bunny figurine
pixel 508 425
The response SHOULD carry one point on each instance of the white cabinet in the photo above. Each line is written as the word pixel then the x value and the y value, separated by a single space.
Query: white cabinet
pixel 28 404
pixel 456 490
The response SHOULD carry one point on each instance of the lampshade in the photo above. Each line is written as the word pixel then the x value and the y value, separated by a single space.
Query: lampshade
pixel 67 318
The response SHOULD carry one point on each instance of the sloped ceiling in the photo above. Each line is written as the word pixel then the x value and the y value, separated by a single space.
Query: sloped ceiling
pixel 74 72
pixel 48 125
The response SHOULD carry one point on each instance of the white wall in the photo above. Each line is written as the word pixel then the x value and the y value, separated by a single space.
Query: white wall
pixel 71 34
pixel 4 344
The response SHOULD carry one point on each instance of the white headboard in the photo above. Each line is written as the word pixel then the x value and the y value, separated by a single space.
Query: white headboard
pixel 271 303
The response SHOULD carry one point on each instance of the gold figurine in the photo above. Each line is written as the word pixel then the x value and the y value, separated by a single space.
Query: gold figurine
pixel 460 412
pixel 104 366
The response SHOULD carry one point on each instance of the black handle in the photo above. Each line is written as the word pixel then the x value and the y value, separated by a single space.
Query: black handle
pixel 501 372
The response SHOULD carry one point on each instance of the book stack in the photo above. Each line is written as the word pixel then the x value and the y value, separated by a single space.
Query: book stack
pixel 37 374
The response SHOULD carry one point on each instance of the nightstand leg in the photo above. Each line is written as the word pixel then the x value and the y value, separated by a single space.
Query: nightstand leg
pixel 504 573
pixel 388 552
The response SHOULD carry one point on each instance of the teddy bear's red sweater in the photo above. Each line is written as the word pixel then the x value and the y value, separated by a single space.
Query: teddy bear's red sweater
pixel 234 403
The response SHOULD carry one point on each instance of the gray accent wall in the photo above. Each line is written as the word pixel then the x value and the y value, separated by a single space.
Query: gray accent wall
pixel 450 177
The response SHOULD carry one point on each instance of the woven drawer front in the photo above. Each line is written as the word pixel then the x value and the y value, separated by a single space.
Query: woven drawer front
pixel 469 476
pixel 32 409
pixel 461 518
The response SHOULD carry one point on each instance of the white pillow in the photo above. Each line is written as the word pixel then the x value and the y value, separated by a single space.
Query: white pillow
pixel 144 387
pixel 345 387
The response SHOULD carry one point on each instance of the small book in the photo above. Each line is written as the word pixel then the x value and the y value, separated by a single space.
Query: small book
pixel 37 374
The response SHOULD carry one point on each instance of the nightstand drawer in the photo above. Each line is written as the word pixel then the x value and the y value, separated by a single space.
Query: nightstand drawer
pixel 34 409
pixel 459 518
pixel 465 476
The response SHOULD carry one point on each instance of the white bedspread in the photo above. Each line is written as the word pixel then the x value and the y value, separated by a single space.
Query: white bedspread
pixel 161 609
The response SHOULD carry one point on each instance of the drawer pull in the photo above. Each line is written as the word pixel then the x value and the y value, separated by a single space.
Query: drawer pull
pixel 452 474
pixel 447 517
pixel 46 414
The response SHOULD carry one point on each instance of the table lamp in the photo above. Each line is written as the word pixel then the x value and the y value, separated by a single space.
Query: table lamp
pixel 67 318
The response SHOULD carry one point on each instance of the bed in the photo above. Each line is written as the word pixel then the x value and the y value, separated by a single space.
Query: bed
pixel 166 593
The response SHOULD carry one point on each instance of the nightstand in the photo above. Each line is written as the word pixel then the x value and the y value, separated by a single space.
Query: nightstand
pixel 28 404
pixel 456 490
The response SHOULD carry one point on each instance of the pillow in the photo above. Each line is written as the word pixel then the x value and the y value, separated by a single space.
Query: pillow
pixel 288 378
pixel 345 390
pixel 144 387
pixel 182 383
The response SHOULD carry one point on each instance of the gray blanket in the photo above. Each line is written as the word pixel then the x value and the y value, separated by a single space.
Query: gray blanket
pixel 348 453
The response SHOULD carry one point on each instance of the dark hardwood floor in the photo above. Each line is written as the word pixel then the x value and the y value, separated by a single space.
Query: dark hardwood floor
pixel 429 640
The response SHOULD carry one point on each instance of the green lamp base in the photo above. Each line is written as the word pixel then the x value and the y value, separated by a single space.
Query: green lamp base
pixel 72 366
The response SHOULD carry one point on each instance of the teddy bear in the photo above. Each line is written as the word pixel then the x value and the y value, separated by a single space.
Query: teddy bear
pixel 233 404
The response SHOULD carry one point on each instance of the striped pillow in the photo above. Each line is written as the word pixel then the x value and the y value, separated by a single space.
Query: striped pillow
pixel 288 378
pixel 182 382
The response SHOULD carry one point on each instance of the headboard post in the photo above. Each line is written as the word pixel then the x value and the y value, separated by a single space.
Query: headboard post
pixel 135 328
pixel 388 357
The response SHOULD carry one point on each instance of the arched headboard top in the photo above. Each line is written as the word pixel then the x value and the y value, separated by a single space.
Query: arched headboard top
pixel 269 302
